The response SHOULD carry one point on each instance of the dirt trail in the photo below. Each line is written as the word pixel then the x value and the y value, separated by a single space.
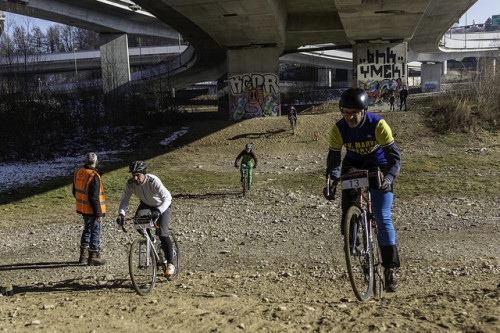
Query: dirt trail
pixel 270 262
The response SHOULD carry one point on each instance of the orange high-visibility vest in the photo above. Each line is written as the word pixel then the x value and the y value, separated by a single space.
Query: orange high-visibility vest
pixel 82 179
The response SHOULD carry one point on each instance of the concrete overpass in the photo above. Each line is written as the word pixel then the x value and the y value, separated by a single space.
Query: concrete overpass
pixel 101 16
pixel 246 38
pixel 85 60
pixel 250 36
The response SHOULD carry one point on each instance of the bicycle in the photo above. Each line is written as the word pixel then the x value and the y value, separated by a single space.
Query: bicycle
pixel 361 248
pixel 145 256
pixel 245 183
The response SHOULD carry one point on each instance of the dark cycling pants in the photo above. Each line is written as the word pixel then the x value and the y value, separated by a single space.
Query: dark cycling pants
pixel 163 224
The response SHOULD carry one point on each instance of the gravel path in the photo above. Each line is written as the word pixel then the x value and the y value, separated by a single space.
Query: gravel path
pixel 269 262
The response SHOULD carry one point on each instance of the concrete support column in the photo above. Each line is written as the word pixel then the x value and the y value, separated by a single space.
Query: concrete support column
pixel 431 77
pixel 222 96
pixel 380 69
pixel 445 67
pixel 115 63
pixel 253 78
pixel 324 77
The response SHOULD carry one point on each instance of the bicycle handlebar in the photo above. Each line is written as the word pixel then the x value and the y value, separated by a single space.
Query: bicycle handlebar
pixel 378 175
pixel 139 220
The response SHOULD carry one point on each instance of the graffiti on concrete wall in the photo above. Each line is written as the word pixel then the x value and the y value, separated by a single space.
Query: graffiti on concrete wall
pixel 381 71
pixel 379 92
pixel 253 95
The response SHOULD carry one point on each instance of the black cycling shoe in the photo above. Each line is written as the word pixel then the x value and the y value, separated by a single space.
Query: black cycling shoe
pixel 391 280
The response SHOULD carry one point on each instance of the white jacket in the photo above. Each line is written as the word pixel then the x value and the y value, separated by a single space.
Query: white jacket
pixel 151 192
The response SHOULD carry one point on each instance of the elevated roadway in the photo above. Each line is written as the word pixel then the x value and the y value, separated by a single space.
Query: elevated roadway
pixel 101 16
pixel 241 37
pixel 213 27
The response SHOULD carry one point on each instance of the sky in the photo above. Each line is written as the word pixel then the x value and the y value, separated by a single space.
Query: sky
pixel 479 12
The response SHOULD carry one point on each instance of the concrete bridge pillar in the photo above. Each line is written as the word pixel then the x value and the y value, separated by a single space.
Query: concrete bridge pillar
pixel 324 77
pixel 381 69
pixel 115 65
pixel 253 79
pixel 430 77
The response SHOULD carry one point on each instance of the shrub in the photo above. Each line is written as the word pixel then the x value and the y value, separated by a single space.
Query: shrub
pixel 471 109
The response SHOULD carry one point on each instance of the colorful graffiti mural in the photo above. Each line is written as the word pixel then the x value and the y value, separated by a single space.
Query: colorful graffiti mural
pixel 382 71
pixel 379 92
pixel 253 95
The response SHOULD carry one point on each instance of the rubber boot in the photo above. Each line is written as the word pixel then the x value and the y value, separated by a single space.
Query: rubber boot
pixel 84 254
pixel 95 258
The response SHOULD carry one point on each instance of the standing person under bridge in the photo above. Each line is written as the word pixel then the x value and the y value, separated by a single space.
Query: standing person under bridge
pixel 403 95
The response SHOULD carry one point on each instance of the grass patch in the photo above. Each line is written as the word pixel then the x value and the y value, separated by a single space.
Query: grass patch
pixel 452 140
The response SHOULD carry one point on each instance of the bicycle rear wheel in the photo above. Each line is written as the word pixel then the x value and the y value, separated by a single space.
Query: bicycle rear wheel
pixel 378 283
pixel 142 267
pixel 176 257
pixel 358 254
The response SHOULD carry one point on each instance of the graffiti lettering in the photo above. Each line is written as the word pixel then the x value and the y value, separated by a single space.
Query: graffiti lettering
pixel 239 83
pixel 385 71
pixel 381 57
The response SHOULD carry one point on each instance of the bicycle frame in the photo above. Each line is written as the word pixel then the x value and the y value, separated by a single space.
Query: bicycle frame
pixel 365 204
pixel 143 226
pixel 150 242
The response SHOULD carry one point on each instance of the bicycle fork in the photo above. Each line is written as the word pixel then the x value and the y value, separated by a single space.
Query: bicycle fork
pixel 367 236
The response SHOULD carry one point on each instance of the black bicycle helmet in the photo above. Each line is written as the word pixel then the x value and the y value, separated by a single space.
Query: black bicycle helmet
pixel 137 167
pixel 354 98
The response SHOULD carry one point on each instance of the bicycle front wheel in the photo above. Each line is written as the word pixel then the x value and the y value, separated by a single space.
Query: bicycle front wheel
pixel 142 267
pixel 245 181
pixel 358 253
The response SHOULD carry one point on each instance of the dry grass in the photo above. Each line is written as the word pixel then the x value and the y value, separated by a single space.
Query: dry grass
pixel 472 109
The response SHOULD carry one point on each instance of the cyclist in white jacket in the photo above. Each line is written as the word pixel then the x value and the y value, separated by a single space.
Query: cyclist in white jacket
pixel 155 200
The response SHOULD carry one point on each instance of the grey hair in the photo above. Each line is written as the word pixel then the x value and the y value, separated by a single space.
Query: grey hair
pixel 90 158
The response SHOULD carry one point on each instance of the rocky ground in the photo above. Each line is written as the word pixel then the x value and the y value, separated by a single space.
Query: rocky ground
pixel 268 262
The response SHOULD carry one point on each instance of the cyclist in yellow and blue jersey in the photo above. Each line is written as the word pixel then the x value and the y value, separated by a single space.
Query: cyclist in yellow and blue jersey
pixel 369 145
pixel 246 156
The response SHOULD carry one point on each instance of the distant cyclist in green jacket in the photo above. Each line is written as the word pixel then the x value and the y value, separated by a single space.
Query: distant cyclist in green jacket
pixel 247 156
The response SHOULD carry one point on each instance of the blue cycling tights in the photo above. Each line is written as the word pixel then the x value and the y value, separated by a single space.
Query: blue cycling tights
pixel 381 205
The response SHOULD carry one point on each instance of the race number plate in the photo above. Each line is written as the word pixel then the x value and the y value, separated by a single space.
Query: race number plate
pixel 354 180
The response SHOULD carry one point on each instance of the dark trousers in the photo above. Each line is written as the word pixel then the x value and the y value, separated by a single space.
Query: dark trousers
pixel 163 224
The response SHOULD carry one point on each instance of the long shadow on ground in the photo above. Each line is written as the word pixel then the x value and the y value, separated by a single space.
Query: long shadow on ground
pixel 200 125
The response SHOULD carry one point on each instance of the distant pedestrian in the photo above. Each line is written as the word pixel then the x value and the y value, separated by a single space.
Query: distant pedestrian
pixel 403 94
pixel 391 101
pixel 90 202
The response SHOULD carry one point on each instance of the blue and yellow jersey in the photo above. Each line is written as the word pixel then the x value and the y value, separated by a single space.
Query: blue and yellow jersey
pixel 371 144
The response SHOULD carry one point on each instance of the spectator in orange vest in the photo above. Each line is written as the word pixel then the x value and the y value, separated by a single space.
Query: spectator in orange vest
pixel 90 202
